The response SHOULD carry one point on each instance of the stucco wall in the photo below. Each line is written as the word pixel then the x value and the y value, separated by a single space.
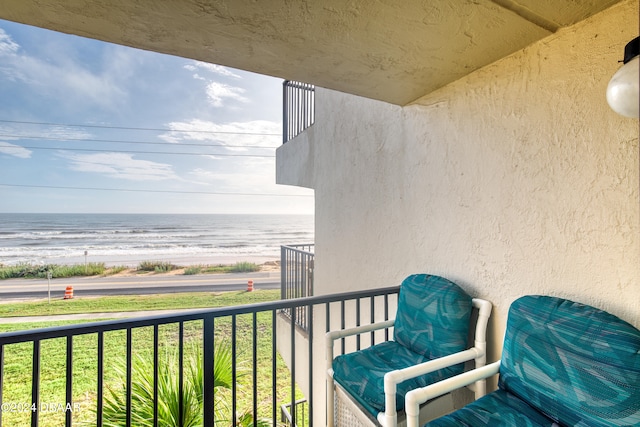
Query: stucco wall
pixel 517 179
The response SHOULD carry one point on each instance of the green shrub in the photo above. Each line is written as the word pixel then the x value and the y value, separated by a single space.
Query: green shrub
pixel 142 391
pixel 116 269
pixel 90 269
pixel 31 271
pixel 156 266
pixel 244 267
pixel 217 269
pixel 194 269
pixel 10 271
pixel 147 265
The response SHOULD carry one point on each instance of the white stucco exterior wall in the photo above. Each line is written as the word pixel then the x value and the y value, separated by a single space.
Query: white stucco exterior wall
pixel 515 180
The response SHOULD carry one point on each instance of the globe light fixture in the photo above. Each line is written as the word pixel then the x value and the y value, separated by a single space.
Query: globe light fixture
pixel 622 92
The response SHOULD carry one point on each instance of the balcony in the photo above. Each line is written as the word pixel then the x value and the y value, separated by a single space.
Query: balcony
pixel 294 158
pixel 81 384
pixel 299 108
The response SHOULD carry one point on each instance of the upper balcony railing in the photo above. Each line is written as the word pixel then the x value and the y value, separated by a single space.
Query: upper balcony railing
pixel 218 366
pixel 299 108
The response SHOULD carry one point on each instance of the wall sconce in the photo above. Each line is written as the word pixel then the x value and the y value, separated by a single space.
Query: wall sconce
pixel 622 92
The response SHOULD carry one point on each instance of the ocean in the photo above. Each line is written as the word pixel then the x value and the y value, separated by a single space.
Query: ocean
pixel 128 239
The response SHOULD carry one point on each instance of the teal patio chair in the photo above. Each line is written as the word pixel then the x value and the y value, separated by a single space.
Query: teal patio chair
pixel 430 343
pixel 563 364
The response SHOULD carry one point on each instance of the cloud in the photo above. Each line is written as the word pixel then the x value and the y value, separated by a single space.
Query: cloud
pixel 121 166
pixel 213 68
pixel 8 51
pixel 63 132
pixel 247 178
pixel 102 89
pixel 14 150
pixel 7 45
pixel 236 135
pixel 54 132
pixel 62 77
pixel 218 92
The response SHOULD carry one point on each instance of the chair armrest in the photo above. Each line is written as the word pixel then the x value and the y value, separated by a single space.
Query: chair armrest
pixel 341 333
pixel 331 336
pixel 477 352
pixel 415 398
pixel 393 378
pixel 400 375
pixel 484 312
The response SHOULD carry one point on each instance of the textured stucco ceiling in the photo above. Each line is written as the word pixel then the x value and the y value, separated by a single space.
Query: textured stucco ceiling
pixel 389 50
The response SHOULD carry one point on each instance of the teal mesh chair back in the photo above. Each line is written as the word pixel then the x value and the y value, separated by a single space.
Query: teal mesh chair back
pixel 432 320
pixel 574 363
pixel 433 316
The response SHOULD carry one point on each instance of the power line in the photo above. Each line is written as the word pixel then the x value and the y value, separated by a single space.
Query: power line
pixel 213 193
pixel 4 147
pixel 120 141
pixel 136 128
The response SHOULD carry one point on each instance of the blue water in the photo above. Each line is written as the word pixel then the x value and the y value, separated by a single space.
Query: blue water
pixel 64 238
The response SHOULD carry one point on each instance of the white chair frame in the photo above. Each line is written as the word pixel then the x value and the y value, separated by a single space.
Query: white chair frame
pixel 389 418
pixel 417 397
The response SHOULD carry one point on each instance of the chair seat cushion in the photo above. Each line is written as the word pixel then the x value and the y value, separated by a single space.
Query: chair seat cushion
pixel 361 374
pixel 496 409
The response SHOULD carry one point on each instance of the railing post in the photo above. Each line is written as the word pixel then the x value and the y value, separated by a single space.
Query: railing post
pixel 234 369
pixel 310 330
pixel 283 272
pixel 293 368
pixel 1 378
pixel 285 115
pixel 181 373
pixel 274 366
pixel 129 368
pixel 207 356
pixel 155 375
pixel 69 383
pixel 35 384
pixel 100 386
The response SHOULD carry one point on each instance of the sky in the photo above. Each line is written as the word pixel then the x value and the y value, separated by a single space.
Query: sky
pixel 92 127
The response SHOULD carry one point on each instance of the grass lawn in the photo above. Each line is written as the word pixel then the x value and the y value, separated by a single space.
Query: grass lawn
pixel 18 357
pixel 137 303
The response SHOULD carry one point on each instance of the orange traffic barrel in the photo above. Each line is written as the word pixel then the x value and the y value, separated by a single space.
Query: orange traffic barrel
pixel 250 286
pixel 68 293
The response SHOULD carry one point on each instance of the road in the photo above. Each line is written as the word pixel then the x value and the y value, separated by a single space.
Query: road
pixel 20 289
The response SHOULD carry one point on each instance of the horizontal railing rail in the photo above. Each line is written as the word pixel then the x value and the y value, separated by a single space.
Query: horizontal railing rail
pixel 296 278
pixel 299 108
pixel 89 351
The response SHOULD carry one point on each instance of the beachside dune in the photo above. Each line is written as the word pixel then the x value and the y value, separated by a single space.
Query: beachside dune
pixel 189 260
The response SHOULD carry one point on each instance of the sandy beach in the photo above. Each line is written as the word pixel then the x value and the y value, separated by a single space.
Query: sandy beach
pixel 129 239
